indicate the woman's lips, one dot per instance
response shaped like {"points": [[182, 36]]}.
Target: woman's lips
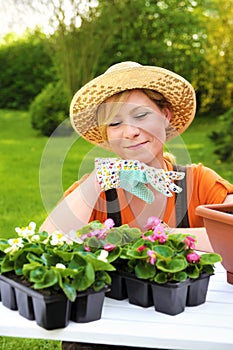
{"points": [[136, 146]]}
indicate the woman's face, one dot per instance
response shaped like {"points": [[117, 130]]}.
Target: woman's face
{"points": [[137, 128]]}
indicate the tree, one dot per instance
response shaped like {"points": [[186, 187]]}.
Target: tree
{"points": [[216, 81]]}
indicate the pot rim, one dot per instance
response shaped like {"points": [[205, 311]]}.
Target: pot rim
{"points": [[216, 212]]}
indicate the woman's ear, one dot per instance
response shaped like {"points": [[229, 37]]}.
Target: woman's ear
{"points": [[167, 113]]}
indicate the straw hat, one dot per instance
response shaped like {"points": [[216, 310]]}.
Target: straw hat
{"points": [[126, 76]]}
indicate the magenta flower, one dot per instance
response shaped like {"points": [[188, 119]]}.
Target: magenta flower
{"points": [[193, 258], [152, 222], [108, 247], [141, 248], [152, 256], [190, 242]]}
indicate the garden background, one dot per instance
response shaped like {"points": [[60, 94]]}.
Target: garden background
{"points": [[41, 69]]}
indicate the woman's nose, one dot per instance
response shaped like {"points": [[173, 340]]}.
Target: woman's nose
{"points": [[130, 131]]}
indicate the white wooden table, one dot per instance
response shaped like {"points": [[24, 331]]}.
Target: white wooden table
{"points": [[208, 326]]}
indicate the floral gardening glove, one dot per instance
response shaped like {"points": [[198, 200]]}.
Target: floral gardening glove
{"points": [[134, 181], [162, 180], [133, 176]]}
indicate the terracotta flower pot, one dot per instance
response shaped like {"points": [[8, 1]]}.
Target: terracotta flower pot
{"points": [[218, 221]]}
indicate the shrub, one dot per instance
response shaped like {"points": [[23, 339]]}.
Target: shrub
{"points": [[224, 136], [49, 109], [26, 68]]}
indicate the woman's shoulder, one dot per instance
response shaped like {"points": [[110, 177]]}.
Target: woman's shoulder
{"points": [[75, 185]]}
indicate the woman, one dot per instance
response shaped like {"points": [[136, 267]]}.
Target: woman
{"points": [[133, 110]]}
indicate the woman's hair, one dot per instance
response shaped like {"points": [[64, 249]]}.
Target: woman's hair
{"points": [[106, 111]]}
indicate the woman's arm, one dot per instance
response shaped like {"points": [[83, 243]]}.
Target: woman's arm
{"points": [[74, 210], [229, 199]]}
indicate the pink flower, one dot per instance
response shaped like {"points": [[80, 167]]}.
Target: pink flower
{"points": [[159, 234], [108, 247], [193, 258], [101, 234], [152, 256], [88, 249], [152, 222], [190, 242], [109, 223], [141, 248]]}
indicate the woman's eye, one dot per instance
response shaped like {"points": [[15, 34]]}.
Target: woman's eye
{"points": [[141, 115], [114, 123]]}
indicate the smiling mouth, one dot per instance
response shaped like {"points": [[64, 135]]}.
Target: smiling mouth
{"points": [[136, 146]]}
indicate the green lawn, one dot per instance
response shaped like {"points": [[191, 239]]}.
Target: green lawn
{"points": [[35, 170]]}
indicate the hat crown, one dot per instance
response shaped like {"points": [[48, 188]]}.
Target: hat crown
{"points": [[122, 65]]}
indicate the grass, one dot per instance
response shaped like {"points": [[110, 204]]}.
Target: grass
{"points": [[28, 344], [35, 170]]}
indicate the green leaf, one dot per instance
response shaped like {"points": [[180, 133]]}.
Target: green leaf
{"points": [[193, 271], [65, 256], [7, 265], [114, 237], [180, 276], [98, 285], [27, 268], [134, 254], [163, 251], [3, 244], [114, 254], [34, 258], [37, 274], [50, 259], [49, 279], [145, 270], [69, 291], [19, 263], [94, 242], [85, 278], [129, 234], [210, 258], [99, 264], [161, 278], [172, 265]]}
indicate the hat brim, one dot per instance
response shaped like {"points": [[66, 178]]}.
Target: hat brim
{"points": [[177, 90]]}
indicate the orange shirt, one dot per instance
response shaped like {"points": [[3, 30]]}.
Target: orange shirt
{"points": [[204, 186]]}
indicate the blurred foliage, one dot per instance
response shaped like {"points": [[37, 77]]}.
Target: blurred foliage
{"points": [[49, 109], [26, 67], [223, 137]]}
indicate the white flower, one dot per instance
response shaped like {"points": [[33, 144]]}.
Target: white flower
{"points": [[26, 231], [35, 238], [58, 238], [72, 237], [103, 256], [60, 266], [15, 244]]}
